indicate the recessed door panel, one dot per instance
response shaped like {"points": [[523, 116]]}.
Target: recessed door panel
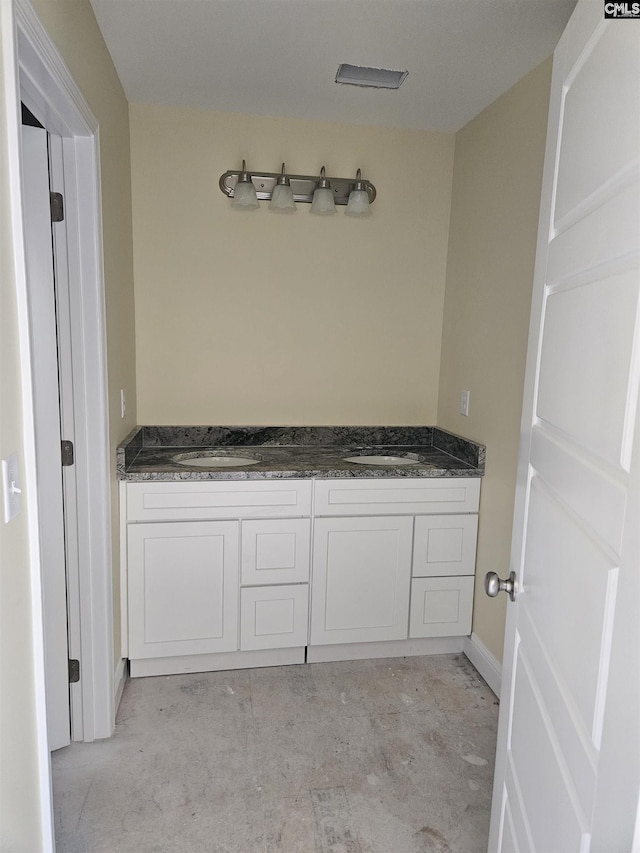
{"points": [[556, 822], [613, 141], [587, 380], [570, 610], [174, 568]]}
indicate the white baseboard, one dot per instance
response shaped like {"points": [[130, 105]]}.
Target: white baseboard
{"points": [[119, 681], [487, 665]]}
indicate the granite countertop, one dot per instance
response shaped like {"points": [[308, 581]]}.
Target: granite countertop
{"points": [[296, 452]]}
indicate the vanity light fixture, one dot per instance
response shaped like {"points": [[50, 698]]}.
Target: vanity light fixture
{"points": [[358, 204], [323, 203], [282, 195], [244, 197], [282, 191]]}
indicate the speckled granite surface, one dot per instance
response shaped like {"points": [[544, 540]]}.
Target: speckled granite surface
{"points": [[148, 452]]}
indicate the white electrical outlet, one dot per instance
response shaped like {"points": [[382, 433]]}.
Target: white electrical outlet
{"points": [[11, 487], [464, 403], [123, 403]]}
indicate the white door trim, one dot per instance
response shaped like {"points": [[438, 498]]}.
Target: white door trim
{"points": [[10, 78], [48, 89]]}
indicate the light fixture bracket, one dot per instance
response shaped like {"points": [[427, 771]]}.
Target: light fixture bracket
{"points": [[303, 186]]}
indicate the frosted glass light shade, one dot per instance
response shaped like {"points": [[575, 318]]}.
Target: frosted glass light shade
{"points": [[282, 199], [244, 197], [358, 204], [323, 202]]}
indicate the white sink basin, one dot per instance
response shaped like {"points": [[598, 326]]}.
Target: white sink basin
{"points": [[213, 459], [391, 461]]}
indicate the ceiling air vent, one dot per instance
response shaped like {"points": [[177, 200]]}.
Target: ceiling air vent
{"points": [[375, 78]]}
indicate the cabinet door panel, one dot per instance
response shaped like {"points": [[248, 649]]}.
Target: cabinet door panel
{"points": [[183, 588], [441, 607], [445, 545], [361, 578], [275, 551], [274, 617]]}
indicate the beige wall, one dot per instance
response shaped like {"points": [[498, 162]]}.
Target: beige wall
{"points": [[20, 817], [252, 318], [496, 193], [73, 29]]}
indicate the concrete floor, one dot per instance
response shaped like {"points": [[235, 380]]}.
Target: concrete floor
{"points": [[375, 756]]}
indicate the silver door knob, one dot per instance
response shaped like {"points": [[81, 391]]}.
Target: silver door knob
{"points": [[493, 585]]}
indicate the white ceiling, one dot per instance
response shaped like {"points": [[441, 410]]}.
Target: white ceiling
{"points": [[279, 57]]}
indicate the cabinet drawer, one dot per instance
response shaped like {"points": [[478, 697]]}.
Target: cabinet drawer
{"points": [[212, 499], [274, 617], [397, 496], [441, 607], [445, 545], [275, 551]]}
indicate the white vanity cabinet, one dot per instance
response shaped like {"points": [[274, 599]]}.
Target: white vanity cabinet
{"points": [[223, 574]]}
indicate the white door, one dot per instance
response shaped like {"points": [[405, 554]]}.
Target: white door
{"points": [[568, 761], [42, 316]]}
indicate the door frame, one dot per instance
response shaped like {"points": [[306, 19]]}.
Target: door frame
{"points": [[49, 91]]}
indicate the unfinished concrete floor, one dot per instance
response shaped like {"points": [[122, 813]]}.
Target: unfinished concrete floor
{"points": [[374, 756]]}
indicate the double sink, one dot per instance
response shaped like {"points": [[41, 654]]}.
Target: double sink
{"points": [[219, 459]]}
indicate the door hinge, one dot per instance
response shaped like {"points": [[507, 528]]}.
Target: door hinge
{"points": [[66, 448], [57, 207], [74, 671]]}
